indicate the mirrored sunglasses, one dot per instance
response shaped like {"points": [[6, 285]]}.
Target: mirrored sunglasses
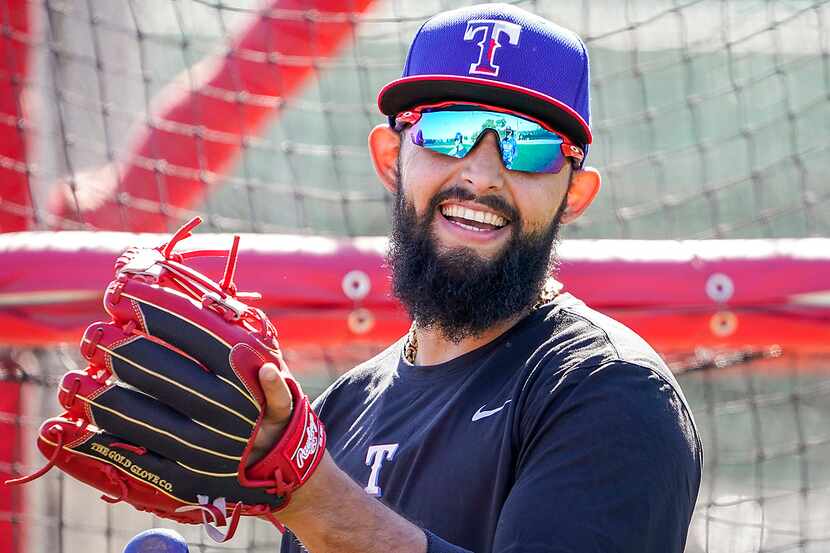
{"points": [[453, 129]]}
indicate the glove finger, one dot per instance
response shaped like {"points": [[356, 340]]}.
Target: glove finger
{"points": [[198, 331], [87, 452], [143, 420], [171, 377]]}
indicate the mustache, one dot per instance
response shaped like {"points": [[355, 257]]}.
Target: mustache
{"points": [[462, 194]]}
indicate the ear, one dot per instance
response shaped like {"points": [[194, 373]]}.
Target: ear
{"points": [[585, 184], [384, 145]]}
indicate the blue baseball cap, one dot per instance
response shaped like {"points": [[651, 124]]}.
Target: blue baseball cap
{"points": [[499, 55]]}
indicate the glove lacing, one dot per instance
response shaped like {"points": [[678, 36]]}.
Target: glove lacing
{"points": [[222, 298], [57, 431]]}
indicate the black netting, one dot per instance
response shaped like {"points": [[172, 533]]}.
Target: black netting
{"points": [[762, 417], [710, 117]]}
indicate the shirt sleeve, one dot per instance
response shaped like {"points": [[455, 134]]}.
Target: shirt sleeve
{"points": [[609, 461], [438, 545]]}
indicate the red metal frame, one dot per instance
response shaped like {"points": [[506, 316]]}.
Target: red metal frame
{"points": [[677, 295]]}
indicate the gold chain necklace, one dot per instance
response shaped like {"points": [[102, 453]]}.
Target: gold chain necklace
{"points": [[549, 291]]}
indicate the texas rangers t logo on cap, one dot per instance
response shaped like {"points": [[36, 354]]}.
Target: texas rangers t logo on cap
{"points": [[491, 30]]}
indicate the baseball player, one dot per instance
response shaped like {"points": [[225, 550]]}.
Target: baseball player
{"points": [[509, 148], [511, 417], [458, 149]]}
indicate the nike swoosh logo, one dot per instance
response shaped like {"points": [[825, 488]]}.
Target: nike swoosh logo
{"points": [[484, 413]]}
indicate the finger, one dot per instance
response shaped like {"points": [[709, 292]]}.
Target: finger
{"points": [[277, 395], [199, 332], [171, 377], [87, 450], [140, 419]]}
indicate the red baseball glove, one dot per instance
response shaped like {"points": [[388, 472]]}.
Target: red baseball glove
{"points": [[165, 415]]}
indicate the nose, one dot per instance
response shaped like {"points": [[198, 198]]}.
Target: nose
{"points": [[483, 168]]}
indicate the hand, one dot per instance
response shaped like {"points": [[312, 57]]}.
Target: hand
{"points": [[321, 512], [277, 412]]}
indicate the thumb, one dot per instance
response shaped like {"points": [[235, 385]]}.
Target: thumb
{"points": [[278, 402]]}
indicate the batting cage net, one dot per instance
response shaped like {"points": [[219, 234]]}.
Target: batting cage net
{"points": [[120, 119]]}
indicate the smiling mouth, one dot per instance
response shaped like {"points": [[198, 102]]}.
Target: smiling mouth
{"points": [[473, 219]]}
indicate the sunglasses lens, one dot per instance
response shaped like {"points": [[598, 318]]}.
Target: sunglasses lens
{"points": [[525, 145]]}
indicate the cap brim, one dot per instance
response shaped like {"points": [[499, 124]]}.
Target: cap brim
{"points": [[409, 92]]}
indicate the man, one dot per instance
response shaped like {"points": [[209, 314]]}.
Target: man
{"points": [[508, 148], [457, 150], [511, 418]]}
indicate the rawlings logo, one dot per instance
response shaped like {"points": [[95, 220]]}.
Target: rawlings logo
{"points": [[491, 30], [311, 444]]}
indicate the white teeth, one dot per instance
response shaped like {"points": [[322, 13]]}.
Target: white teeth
{"points": [[468, 227], [473, 215]]}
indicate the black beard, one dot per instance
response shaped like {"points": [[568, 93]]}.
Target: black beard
{"points": [[457, 292]]}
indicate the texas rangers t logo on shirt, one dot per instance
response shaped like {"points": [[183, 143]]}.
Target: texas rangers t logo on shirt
{"points": [[491, 31], [375, 457]]}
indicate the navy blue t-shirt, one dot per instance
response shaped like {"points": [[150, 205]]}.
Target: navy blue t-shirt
{"points": [[566, 434]]}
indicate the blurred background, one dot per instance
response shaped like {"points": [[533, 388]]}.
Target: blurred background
{"points": [[711, 236]]}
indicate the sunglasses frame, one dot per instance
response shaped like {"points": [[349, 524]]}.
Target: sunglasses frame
{"points": [[568, 148]]}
